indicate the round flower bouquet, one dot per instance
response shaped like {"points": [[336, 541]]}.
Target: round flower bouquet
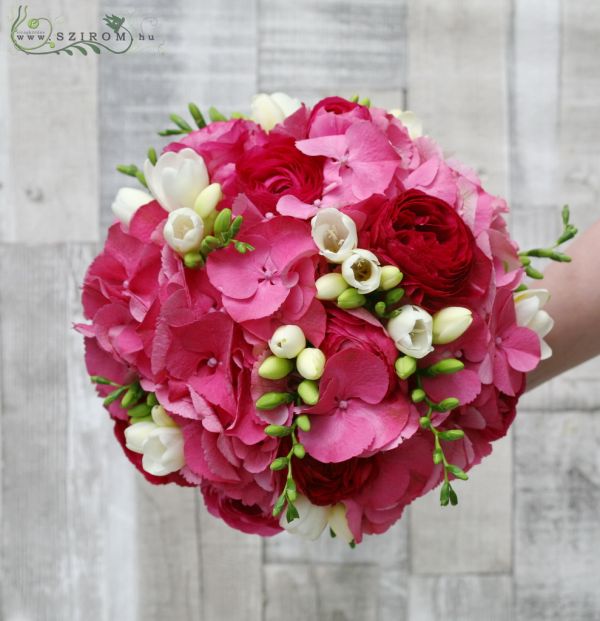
{"points": [[311, 315]]}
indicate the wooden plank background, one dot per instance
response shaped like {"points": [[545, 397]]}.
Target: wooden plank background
{"points": [[512, 87]]}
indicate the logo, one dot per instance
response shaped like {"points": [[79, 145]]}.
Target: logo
{"points": [[38, 36]]}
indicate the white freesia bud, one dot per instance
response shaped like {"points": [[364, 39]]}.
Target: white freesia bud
{"points": [[391, 277], [361, 270], [287, 341], [410, 120], [330, 286], [160, 441], [311, 363], [137, 434], [450, 323], [334, 234], [528, 305], [411, 331], [183, 230], [338, 522], [177, 178], [269, 110], [127, 202], [208, 200], [311, 522]]}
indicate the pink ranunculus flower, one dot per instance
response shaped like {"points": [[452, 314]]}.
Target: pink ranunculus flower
{"points": [[258, 283]]}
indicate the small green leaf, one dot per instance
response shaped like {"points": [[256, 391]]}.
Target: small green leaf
{"points": [[215, 115], [453, 497], [81, 49], [94, 47], [171, 132], [197, 115], [181, 123], [445, 494], [457, 472], [291, 513]]}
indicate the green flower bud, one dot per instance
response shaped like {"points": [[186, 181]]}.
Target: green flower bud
{"points": [[438, 456], [445, 367], [209, 243], [236, 225], [278, 431], [223, 222], [309, 392], [311, 363], [418, 395], [299, 451], [303, 422], [448, 404], [193, 260], [391, 277], [394, 296], [272, 400], [275, 368], [424, 422], [452, 434], [380, 309], [291, 494], [405, 366], [132, 396], [351, 298], [140, 410], [279, 464], [151, 399]]}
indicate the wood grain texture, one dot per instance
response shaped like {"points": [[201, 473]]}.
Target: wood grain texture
{"points": [[557, 532], [461, 98], [319, 48], [323, 592], [58, 531], [203, 52], [52, 102], [464, 598]]}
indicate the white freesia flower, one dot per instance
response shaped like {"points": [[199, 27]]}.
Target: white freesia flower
{"points": [[362, 271], [127, 202], [334, 234], [183, 230], [269, 110], [411, 331], [176, 179], [313, 520], [160, 441], [450, 323], [311, 363], [528, 305], [287, 341], [410, 120]]}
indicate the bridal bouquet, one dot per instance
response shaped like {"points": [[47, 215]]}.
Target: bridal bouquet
{"points": [[311, 315]]}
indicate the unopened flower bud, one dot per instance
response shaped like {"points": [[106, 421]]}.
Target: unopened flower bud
{"points": [[405, 366], [287, 341], [222, 221], [351, 298], [309, 393], [330, 286], [183, 230], [445, 367], [272, 400], [450, 323], [275, 368], [417, 395], [448, 404], [303, 422], [208, 199], [299, 451], [391, 277], [311, 363]]}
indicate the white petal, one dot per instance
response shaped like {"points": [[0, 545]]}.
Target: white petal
{"points": [[542, 323]]}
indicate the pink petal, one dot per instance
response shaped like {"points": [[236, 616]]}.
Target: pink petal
{"points": [[290, 205], [522, 347]]}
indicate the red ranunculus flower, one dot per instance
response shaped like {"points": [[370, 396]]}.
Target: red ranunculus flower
{"points": [[328, 484], [428, 241], [276, 169]]}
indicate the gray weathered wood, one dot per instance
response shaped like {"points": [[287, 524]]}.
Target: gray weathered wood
{"points": [[324, 592], [464, 598], [52, 102], [557, 532], [318, 48], [461, 97]]}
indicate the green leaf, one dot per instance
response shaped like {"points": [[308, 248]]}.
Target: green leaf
{"points": [[114, 395], [445, 494], [94, 47], [292, 512], [181, 123], [453, 497], [69, 52], [215, 115], [197, 115], [171, 132], [81, 49], [332, 533]]}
